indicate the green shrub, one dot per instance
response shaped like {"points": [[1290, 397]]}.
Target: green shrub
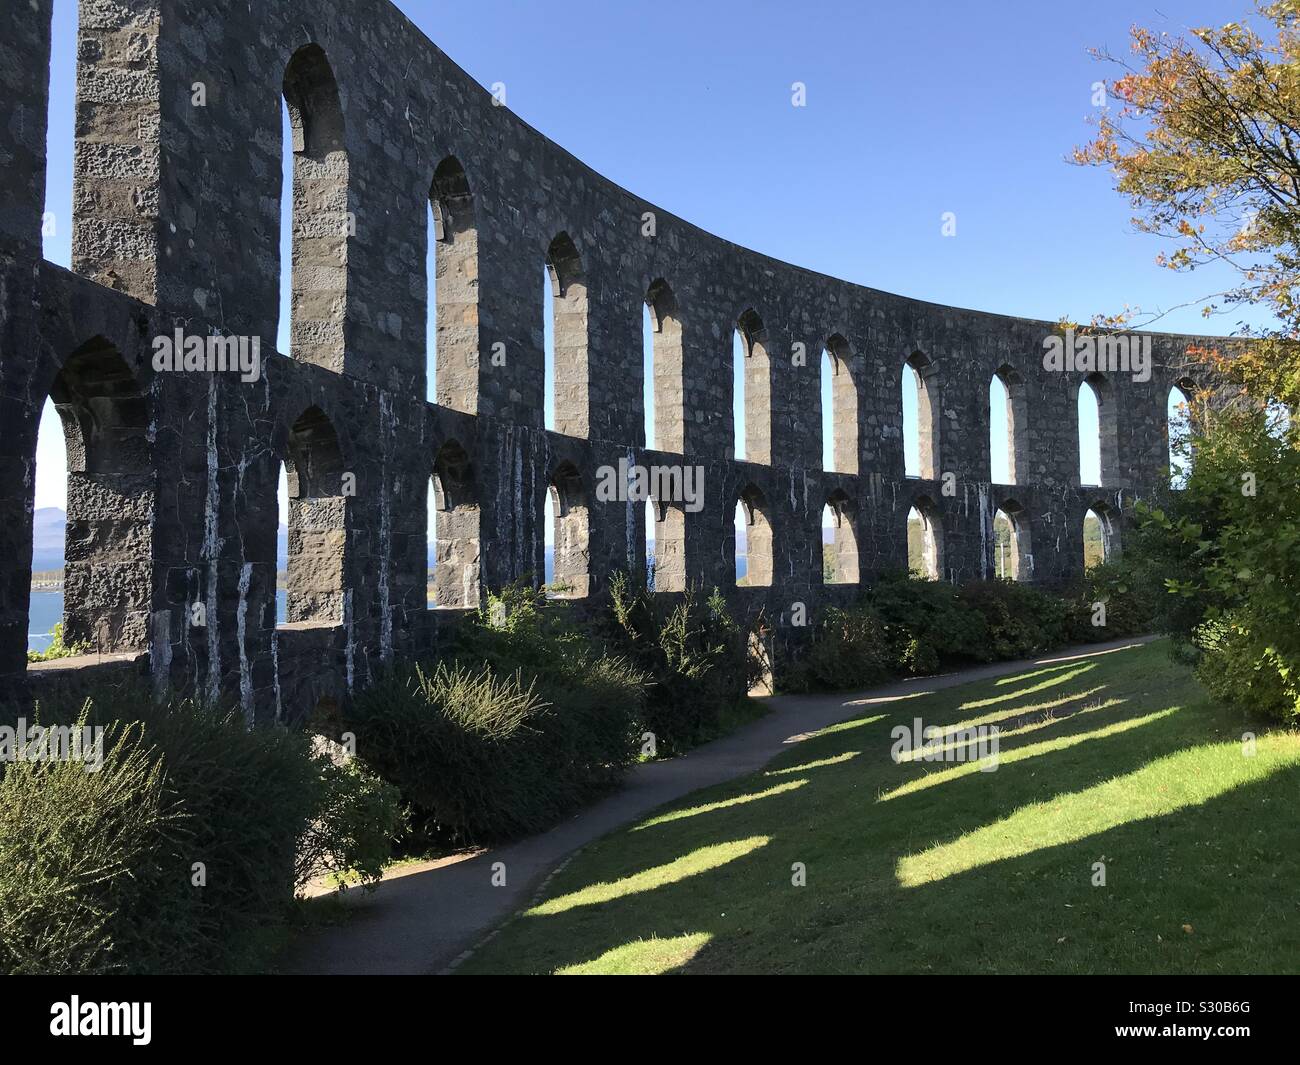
{"points": [[699, 659], [357, 817], [905, 625], [57, 649], [1237, 666], [247, 796], [1130, 592], [523, 721], [932, 614], [849, 649], [207, 888], [1020, 621], [72, 846], [1227, 549]]}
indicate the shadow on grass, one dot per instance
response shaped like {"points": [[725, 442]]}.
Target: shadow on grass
{"points": [[936, 867]]}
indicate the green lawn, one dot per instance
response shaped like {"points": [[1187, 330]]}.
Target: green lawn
{"points": [[939, 867]]}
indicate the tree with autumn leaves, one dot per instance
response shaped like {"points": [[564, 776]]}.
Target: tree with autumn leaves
{"points": [[1203, 139]]}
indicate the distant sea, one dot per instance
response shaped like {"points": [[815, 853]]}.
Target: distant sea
{"points": [[47, 611]]}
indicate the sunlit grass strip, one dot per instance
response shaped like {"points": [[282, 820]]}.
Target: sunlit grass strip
{"points": [[1020, 754], [1042, 685], [1020, 678], [1186, 778], [821, 763], [934, 750], [699, 861], [1020, 711], [645, 957], [845, 726], [708, 808]]}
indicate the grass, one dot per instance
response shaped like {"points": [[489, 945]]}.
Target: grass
{"points": [[1115, 764]]}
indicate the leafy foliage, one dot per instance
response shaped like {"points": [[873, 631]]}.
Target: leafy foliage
{"points": [[71, 842], [521, 722], [1205, 147], [57, 649], [908, 626], [1203, 144], [1229, 547], [181, 854], [698, 658]]}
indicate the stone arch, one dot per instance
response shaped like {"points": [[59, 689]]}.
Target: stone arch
{"points": [[925, 539], [456, 287], [840, 556], [757, 386], [1013, 559], [669, 530], [1016, 441], [571, 531], [666, 368], [1105, 519], [844, 405], [457, 544], [108, 554], [570, 370], [317, 522], [925, 378], [1107, 443], [322, 223], [1178, 430], [757, 523]]}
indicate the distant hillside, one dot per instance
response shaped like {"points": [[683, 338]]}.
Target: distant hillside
{"points": [[48, 525]]}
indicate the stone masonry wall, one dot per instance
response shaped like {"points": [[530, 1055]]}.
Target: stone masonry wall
{"points": [[172, 500]]}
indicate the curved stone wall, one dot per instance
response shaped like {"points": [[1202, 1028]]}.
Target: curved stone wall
{"points": [[177, 226]]}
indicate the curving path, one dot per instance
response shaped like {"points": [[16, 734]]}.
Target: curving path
{"points": [[423, 918]]}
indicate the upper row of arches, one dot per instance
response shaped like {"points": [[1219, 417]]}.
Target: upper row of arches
{"points": [[314, 300]]}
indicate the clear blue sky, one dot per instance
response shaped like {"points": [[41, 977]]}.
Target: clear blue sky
{"points": [[912, 110]]}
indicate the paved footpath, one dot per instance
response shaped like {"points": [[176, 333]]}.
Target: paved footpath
{"points": [[422, 918]]}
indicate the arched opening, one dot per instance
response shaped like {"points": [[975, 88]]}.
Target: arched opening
{"points": [[1100, 536], [1179, 418], [454, 530], [839, 541], [60, 140], [49, 530], [322, 222], [1008, 418], [920, 421], [565, 339], [1013, 560], [662, 355], [317, 521], [102, 536], [431, 307], [565, 515], [751, 390], [751, 543], [665, 546], [453, 293], [839, 408], [648, 384], [1098, 437], [650, 541], [924, 541]]}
